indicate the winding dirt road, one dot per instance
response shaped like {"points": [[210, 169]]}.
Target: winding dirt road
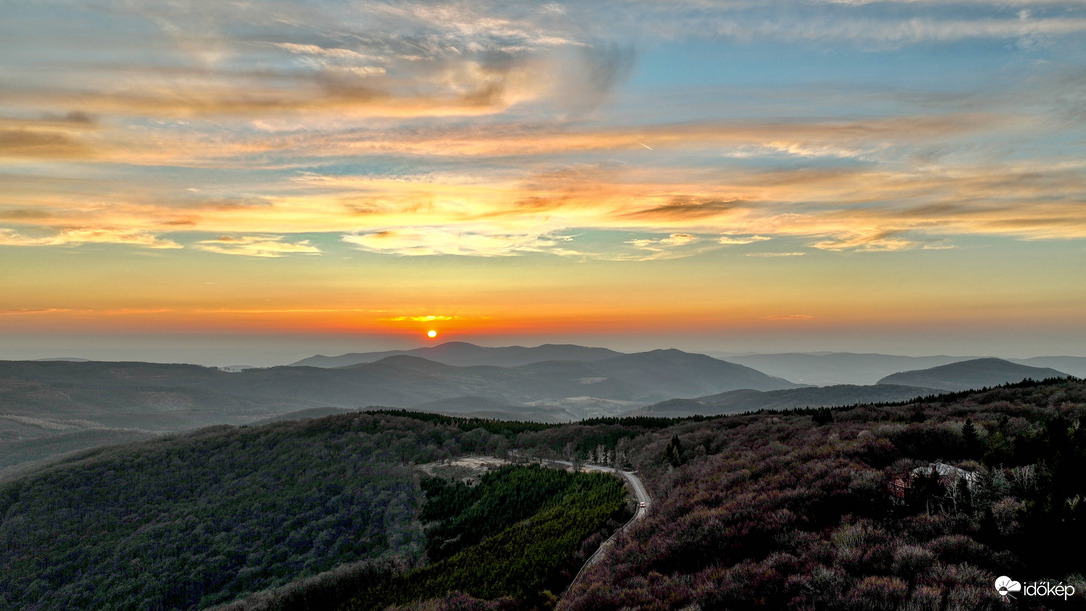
{"points": [[644, 503]]}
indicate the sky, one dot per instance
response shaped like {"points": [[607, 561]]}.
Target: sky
{"points": [[255, 182]]}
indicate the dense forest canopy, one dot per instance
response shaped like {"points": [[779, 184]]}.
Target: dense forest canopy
{"points": [[198, 519], [803, 508]]}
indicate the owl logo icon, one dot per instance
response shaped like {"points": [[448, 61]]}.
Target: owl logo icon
{"points": [[1005, 585]]}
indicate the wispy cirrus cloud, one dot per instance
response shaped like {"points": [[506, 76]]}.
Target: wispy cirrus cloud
{"points": [[658, 244], [896, 32], [257, 246], [731, 240], [847, 138], [667, 247], [477, 242], [869, 241], [884, 23], [75, 237], [371, 59]]}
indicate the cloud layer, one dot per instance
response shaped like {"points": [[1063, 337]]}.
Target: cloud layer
{"points": [[698, 137], [474, 128]]}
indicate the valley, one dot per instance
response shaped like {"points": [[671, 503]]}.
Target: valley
{"points": [[302, 494], [340, 509]]}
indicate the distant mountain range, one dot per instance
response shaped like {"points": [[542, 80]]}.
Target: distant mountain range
{"points": [[1074, 365], [75, 404], [49, 407], [903, 386], [462, 354], [967, 375]]}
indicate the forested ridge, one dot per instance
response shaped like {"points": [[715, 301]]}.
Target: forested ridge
{"points": [[840, 508], [807, 508]]}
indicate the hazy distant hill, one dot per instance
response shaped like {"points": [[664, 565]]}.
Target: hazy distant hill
{"points": [[1074, 365], [737, 401], [463, 354], [966, 375], [830, 368], [675, 373], [647, 377]]}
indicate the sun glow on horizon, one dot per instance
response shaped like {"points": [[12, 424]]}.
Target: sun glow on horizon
{"points": [[431, 334]]}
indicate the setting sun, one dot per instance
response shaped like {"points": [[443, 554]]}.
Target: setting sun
{"points": [[431, 334]]}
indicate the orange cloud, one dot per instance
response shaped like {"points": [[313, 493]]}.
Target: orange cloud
{"points": [[427, 318]]}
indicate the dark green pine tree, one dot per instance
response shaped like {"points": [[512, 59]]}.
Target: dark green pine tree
{"points": [[674, 452], [970, 439]]}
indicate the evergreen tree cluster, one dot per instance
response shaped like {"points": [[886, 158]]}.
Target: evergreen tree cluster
{"points": [[515, 535]]}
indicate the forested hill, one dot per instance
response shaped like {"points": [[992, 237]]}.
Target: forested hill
{"points": [[205, 518], [843, 509]]}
